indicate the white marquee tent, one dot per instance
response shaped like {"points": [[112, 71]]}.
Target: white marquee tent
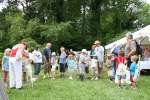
{"points": [[142, 36]]}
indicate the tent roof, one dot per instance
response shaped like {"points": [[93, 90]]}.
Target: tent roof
{"points": [[142, 35]]}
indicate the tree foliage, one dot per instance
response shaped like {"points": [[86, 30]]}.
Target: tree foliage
{"points": [[71, 23]]}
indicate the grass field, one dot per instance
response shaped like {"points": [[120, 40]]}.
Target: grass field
{"points": [[64, 89]]}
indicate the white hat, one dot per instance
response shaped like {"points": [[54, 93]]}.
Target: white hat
{"points": [[97, 42], [53, 54], [84, 51]]}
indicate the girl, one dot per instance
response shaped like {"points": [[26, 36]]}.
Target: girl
{"points": [[62, 61], [53, 64], [72, 64], [37, 60], [94, 65], [15, 63], [5, 64], [82, 63], [133, 71], [121, 68]]}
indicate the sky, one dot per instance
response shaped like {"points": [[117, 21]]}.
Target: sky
{"points": [[2, 5], [148, 1]]}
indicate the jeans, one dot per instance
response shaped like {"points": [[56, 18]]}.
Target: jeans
{"points": [[113, 69], [37, 68]]}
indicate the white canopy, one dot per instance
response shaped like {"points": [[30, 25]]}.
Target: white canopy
{"points": [[142, 36]]}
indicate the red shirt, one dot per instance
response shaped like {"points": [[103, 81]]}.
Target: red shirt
{"points": [[119, 60], [13, 52]]}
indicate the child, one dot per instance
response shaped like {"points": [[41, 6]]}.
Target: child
{"points": [[94, 64], [82, 63], [121, 67], [53, 64], [109, 66], [72, 64], [133, 73], [37, 60], [28, 67], [62, 61], [87, 61], [5, 64]]}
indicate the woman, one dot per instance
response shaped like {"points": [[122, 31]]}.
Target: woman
{"points": [[37, 60], [62, 61], [15, 62]]}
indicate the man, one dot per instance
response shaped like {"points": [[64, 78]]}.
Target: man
{"points": [[130, 49], [47, 56], [15, 62], [99, 51], [114, 51]]}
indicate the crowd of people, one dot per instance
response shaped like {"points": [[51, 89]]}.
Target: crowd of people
{"points": [[123, 62], [122, 65]]}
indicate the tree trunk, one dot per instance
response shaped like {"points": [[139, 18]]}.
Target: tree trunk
{"points": [[95, 27], [60, 10]]}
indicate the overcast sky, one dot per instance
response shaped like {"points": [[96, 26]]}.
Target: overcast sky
{"points": [[4, 3], [148, 1]]}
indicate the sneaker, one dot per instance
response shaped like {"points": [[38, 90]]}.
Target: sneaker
{"points": [[70, 78], [96, 78], [49, 76], [44, 77], [92, 79], [53, 78], [34, 79]]}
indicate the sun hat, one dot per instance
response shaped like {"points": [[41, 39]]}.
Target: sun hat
{"points": [[97, 42], [53, 54], [84, 51]]}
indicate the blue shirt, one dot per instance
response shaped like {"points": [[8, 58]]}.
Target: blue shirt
{"points": [[5, 63], [117, 50], [47, 53], [63, 58], [72, 64], [133, 67]]}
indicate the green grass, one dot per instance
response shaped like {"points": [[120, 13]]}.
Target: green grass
{"points": [[64, 89]]}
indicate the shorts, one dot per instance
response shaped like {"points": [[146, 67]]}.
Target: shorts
{"points": [[119, 77], [47, 67], [62, 68]]}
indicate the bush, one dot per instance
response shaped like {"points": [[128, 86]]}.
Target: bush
{"points": [[1, 56]]}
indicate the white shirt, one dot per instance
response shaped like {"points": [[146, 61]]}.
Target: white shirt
{"points": [[37, 56], [82, 59], [94, 63], [99, 51]]}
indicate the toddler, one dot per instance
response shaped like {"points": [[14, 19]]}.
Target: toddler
{"points": [[94, 65], [53, 64], [5, 64], [72, 64]]}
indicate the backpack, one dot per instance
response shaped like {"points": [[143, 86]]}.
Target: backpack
{"points": [[139, 50], [121, 69]]}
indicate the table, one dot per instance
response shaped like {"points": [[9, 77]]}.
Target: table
{"points": [[144, 65]]}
